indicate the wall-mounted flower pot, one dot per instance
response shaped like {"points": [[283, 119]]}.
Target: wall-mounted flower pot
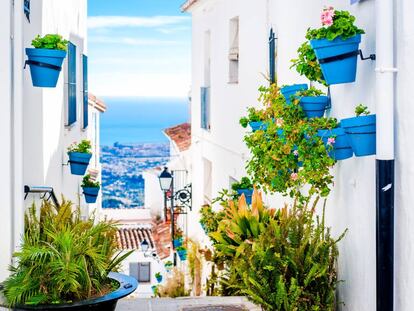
{"points": [[341, 148], [362, 134], [258, 125], [248, 193], [45, 66], [158, 278], [337, 58], [182, 253], [314, 106], [91, 194], [178, 242], [290, 90], [79, 162]]}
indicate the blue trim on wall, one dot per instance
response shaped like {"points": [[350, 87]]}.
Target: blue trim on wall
{"points": [[85, 91], [71, 83]]}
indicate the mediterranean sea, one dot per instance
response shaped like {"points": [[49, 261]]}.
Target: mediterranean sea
{"points": [[141, 120]]}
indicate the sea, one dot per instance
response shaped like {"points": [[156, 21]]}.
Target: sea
{"points": [[141, 120]]}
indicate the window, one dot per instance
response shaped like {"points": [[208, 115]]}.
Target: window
{"points": [[71, 83], [141, 271], [234, 51], [85, 90], [205, 108], [207, 58]]}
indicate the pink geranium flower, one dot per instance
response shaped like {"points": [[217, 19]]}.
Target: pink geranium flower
{"points": [[294, 176], [279, 122], [327, 16], [331, 140], [295, 153]]}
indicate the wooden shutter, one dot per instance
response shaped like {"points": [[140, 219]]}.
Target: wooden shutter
{"points": [[71, 83], [85, 91]]}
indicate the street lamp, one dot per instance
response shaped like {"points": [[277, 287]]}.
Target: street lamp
{"points": [[166, 180], [144, 246]]}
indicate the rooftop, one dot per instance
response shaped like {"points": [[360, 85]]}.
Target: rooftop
{"points": [[96, 102], [130, 238], [180, 135], [188, 4]]}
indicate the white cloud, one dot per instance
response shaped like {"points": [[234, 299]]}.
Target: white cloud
{"points": [[130, 41], [135, 84], [95, 22]]}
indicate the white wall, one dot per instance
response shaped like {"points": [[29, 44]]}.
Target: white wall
{"points": [[352, 202]]}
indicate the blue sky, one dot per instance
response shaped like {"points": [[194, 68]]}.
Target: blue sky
{"points": [[139, 48]]}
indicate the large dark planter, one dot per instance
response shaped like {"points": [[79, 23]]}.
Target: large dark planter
{"points": [[108, 302]]}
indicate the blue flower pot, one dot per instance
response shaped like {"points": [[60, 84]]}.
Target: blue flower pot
{"points": [[314, 106], [182, 254], [290, 90], [337, 58], [178, 242], [45, 66], [362, 134], [79, 162], [91, 194], [341, 149], [258, 125], [248, 193], [159, 278]]}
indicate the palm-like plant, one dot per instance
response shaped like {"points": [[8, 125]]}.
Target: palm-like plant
{"points": [[63, 258]]}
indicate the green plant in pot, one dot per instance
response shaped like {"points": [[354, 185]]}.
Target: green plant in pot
{"points": [[313, 102], [90, 189], [46, 58], [65, 261], [168, 265], [182, 252], [256, 118], [79, 157], [158, 277], [245, 188]]}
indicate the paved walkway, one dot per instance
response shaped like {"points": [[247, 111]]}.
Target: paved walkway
{"points": [[187, 304]]}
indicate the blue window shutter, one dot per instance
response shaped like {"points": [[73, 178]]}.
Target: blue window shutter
{"points": [[85, 91], [272, 56], [71, 83], [205, 108]]}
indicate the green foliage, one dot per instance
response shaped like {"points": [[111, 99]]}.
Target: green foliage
{"points": [[307, 64], [158, 274], [51, 42], [174, 286], [361, 110], [181, 248], [254, 115], [244, 183], [63, 258], [168, 263], [343, 26], [209, 219], [312, 91], [288, 263], [288, 154], [83, 147], [87, 182]]}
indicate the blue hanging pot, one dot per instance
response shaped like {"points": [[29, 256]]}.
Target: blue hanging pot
{"points": [[248, 194], [178, 242], [182, 253], [45, 66], [340, 149], [362, 134], [337, 58], [290, 90], [159, 278], [258, 125], [91, 194], [314, 106], [79, 162]]}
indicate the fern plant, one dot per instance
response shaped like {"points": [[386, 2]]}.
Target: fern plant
{"points": [[63, 258]]}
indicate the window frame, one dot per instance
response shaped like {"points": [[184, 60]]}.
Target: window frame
{"points": [[72, 85]]}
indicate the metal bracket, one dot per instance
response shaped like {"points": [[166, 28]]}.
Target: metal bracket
{"points": [[371, 56], [43, 191], [329, 105]]}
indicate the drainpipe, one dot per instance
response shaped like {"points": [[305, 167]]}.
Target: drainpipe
{"points": [[385, 154]]}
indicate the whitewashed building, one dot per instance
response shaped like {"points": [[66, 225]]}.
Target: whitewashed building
{"points": [[229, 62], [38, 124]]}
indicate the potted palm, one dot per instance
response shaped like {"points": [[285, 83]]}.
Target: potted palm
{"points": [[79, 157], [313, 102], [45, 59], [90, 189], [336, 45], [65, 262], [244, 187], [361, 131]]}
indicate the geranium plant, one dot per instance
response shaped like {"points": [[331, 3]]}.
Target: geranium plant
{"points": [[253, 115], [87, 182], [83, 147], [335, 24], [361, 110], [244, 183], [307, 64], [50, 42]]}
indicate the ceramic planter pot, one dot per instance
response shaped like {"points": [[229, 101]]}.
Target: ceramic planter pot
{"points": [[127, 285], [248, 193], [314, 106], [337, 58], [79, 162], [341, 149], [178, 242], [182, 253], [159, 278], [362, 134], [45, 66], [91, 194], [290, 90]]}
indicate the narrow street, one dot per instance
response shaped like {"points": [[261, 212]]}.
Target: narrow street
{"points": [[187, 304]]}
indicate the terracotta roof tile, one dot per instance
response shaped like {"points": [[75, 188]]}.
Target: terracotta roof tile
{"points": [[96, 102], [131, 238], [180, 135], [188, 4]]}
